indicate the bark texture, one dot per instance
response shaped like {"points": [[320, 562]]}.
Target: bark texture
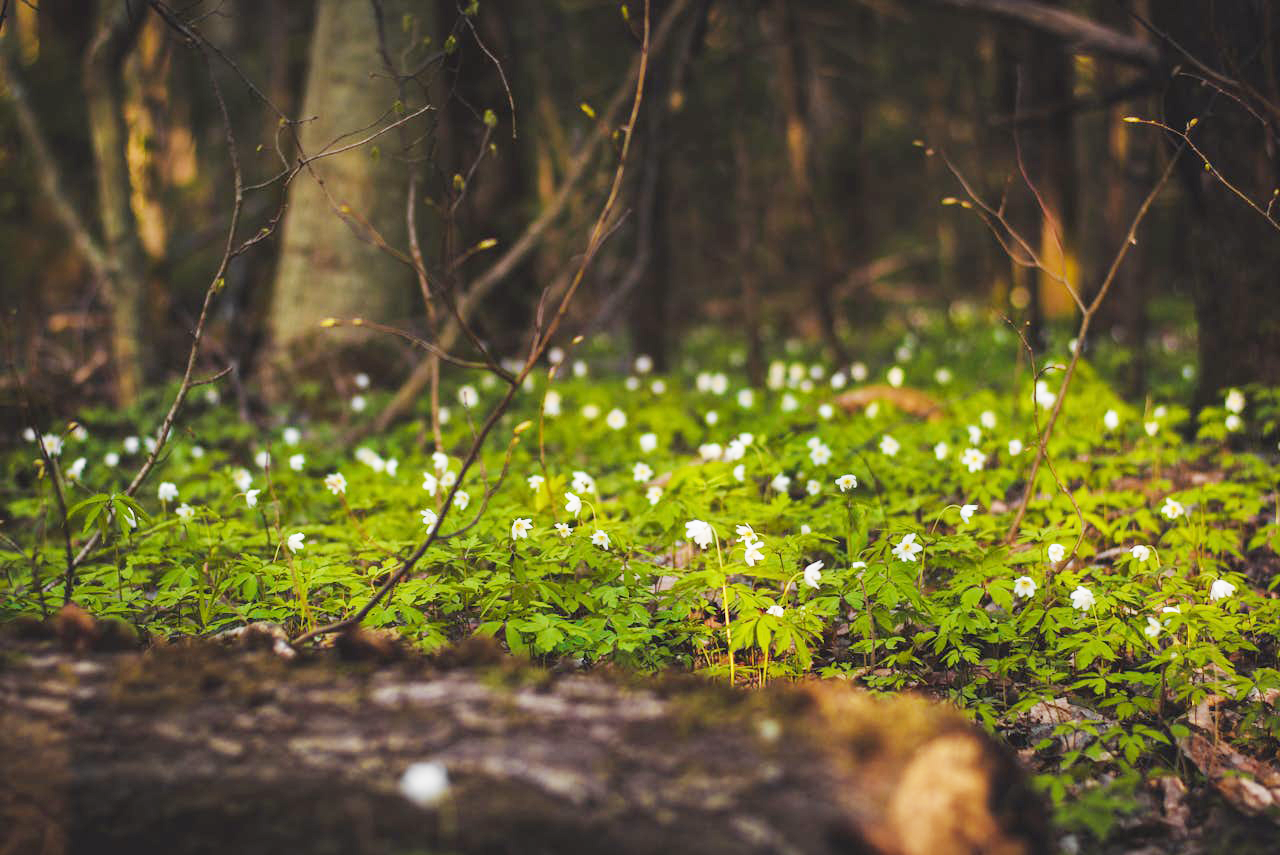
{"points": [[202, 748]]}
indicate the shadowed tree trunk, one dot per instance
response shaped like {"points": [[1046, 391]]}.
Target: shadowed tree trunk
{"points": [[202, 749], [330, 263]]}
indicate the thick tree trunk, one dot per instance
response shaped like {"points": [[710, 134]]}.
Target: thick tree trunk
{"points": [[116, 31], [204, 749], [330, 263]]}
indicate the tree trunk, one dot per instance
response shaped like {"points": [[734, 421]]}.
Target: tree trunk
{"points": [[198, 748], [330, 263], [116, 30]]}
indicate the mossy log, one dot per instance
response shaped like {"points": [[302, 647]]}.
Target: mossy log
{"points": [[200, 749]]}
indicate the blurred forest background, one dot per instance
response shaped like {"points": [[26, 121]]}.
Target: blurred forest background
{"points": [[788, 176]]}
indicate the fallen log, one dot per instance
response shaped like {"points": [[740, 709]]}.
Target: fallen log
{"points": [[197, 748]]}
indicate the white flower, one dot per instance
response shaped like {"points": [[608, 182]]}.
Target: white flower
{"points": [[582, 482], [653, 494], [370, 458], [1235, 401], [168, 491], [262, 459], [973, 459], [632, 384], [895, 376], [295, 541], [391, 466], [439, 461], [710, 451], [212, 396], [746, 398], [975, 434], [643, 363], [425, 784], [448, 479], [987, 420], [555, 355], [658, 387], [251, 498], [942, 376], [847, 482], [1082, 598], [1056, 552], [616, 419], [131, 445], [185, 511], [752, 552], [719, 384], [572, 503], [967, 512], [774, 611], [826, 411], [1015, 447], [111, 458], [197, 452], [563, 529], [130, 519], [80, 433], [1111, 420], [805, 528], [789, 404], [52, 444], [76, 469], [292, 436], [889, 445], [812, 487], [242, 479], [780, 483], [358, 403], [296, 462], [838, 380], [461, 499], [600, 539], [746, 533], [521, 527], [907, 548], [940, 451], [813, 574], [641, 472], [1140, 553], [1233, 423], [1221, 589], [712, 418], [430, 483], [735, 450], [551, 404], [535, 482], [1044, 397], [1172, 508], [429, 518], [858, 371], [1025, 587], [648, 442], [29, 434], [700, 532], [362, 380], [1152, 428], [590, 412], [335, 483], [468, 397], [1152, 628], [820, 454], [579, 368]]}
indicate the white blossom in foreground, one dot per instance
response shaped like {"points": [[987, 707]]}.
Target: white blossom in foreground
{"points": [[1152, 629], [295, 541], [358, 403], [297, 461], [1234, 423], [563, 529], [242, 479], [131, 445], [582, 482], [251, 498], [430, 483], [1221, 589], [641, 472], [572, 503], [1024, 587], [425, 784], [847, 482], [461, 499], [521, 527], [535, 482], [52, 444], [1140, 553], [648, 442], [896, 376], [780, 483], [551, 404], [889, 445], [1111, 420], [1235, 401], [168, 491], [813, 574], [940, 451], [1172, 508], [753, 552], [1015, 447], [1152, 428], [907, 548], [336, 483], [967, 512], [1082, 598], [616, 419], [987, 419], [1056, 552], [600, 539], [185, 512], [700, 532], [429, 518], [653, 494], [292, 436], [774, 611], [812, 487], [76, 470], [111, 459]]}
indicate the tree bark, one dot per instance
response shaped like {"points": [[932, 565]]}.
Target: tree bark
{"points": [[116, 31], [330, 263], [199, 748]]}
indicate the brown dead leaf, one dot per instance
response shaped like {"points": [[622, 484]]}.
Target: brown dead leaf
{"points": [[910, 401], [1251, 786]]}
